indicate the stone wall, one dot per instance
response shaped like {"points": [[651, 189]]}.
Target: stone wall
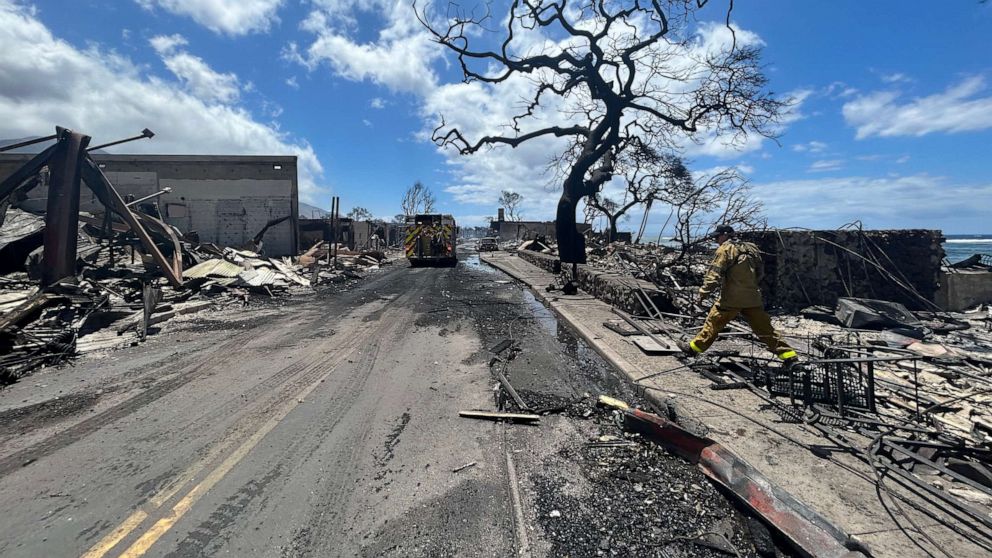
{"points": [[803, 268], [613, 288]]}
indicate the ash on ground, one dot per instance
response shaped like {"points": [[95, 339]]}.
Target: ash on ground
{"points": [[637, 500]]}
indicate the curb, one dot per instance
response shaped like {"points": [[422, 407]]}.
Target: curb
{"points": [[621, 364]]}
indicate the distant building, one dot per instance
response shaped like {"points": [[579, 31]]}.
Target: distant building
{"points": [[527, 230], [355, 235], [224, 199]]}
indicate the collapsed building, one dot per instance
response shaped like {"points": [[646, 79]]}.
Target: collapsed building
{"points": [[226, 200], [355, 235], [148, 238], [807, 268]]}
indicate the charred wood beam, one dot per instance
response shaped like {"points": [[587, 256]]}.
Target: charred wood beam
{"points": [[27, 309]]}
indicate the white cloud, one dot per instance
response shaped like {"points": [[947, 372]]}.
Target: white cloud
{"points": [[400, 58], [839, 90], [367, 122], [896, 78], [48, 81], [811, 147], [377, 103], [916, 201], [957, 109], [394, 51], [198, 77], [903, 159], [826, 165], [166, 44], [231, 17], [291, 82]]}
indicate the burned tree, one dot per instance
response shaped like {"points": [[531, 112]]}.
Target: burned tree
{"points": [[359, 213], [510, 201], [646, 175], [721, 198], [603, 71], [418, 199]]}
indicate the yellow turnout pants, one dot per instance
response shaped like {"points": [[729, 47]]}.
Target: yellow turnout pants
{"points": [[757, 318]]}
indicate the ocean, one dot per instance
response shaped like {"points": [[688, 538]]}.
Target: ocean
{"points": [[957, 247], [960, 246]]}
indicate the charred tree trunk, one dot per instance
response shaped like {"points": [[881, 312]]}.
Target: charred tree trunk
{"points": [[571, 244], [613, 227]]}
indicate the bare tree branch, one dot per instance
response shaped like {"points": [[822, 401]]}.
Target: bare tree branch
{"points": [[619, 70]]}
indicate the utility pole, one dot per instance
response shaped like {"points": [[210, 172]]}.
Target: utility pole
{"points": [[335, 224]]}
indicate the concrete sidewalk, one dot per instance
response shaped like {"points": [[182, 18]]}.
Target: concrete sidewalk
{"points": [[842, 488]]}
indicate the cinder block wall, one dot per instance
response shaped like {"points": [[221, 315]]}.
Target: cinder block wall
{"points": [[804, 268], [613, 288]]}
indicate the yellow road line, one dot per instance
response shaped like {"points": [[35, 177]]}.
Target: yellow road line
{"points": [[108, 542], [116, 536], [163, 525]]}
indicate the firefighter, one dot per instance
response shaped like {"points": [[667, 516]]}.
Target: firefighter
{"points": [[737, 270]]}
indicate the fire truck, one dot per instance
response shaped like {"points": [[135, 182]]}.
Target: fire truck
{"points": [[431, 239]]}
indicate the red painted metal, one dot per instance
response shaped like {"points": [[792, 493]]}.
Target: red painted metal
{"points": [[806, 529]]}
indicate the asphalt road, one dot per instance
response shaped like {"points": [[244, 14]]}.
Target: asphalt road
{"points": [[328, 425]]}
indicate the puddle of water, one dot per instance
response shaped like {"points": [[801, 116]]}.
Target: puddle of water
{"points": [[472, 262]]}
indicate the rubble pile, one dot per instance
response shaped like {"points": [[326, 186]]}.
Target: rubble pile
{"points": [[329, 263], [898, 383], [115, 295], [907, 392], [118, 293]]}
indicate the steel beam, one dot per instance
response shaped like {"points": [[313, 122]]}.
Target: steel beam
{"points": [[62, 214], [110, 198]]}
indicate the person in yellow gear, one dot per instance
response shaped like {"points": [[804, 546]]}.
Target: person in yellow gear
{"points": [[736, 269]]}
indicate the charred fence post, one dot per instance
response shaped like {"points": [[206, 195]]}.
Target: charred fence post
{"points": [[62, 215]]}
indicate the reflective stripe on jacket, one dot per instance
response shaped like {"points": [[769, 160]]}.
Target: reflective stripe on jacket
{"points": [[736, 269]]}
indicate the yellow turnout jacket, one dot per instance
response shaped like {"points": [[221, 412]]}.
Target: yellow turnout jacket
{"points": [[736, 269]]}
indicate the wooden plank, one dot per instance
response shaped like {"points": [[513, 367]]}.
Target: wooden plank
{"points": [[495, 415], [513, 393], [32, 305]]}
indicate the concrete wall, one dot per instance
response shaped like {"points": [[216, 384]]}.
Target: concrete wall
{"points": [[964, 289], [804, 268], [526, 230], [226, 200]]}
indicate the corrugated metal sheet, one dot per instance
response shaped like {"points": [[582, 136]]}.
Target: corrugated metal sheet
{"points": [[213, 268], [18, 224], [259, 277]]}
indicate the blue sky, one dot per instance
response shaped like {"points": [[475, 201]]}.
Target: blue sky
{"points": [[894, 127]]}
